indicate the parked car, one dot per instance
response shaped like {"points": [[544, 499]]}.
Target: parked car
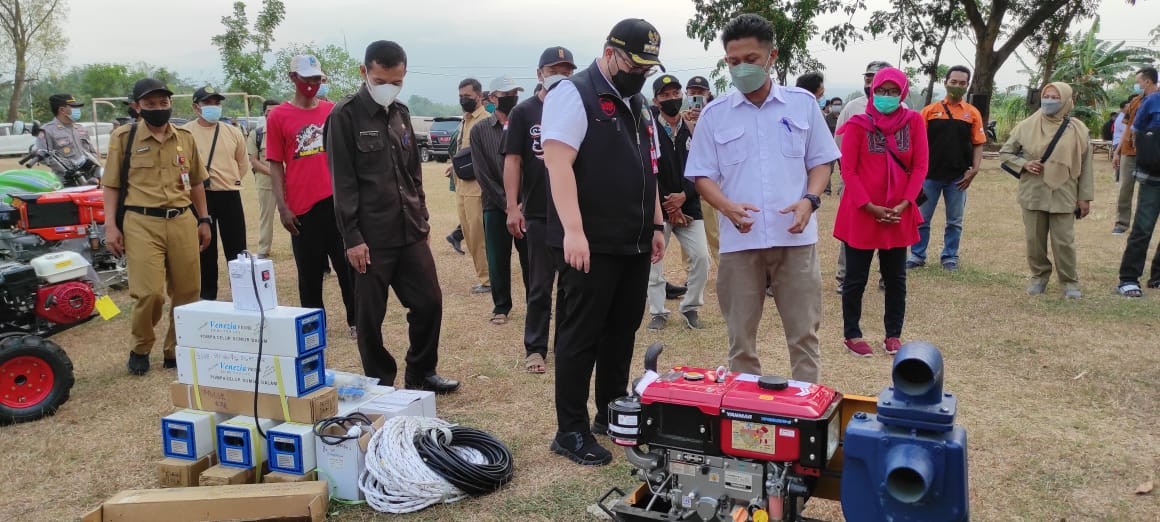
{"points": [[440, 137], [15, 139], [422, 127]]}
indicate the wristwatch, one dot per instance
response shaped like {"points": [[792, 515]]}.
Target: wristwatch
{"points": [[814, 200], [205, 221], [659, 228]]}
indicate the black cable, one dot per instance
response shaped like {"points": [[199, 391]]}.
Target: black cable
{"points": [[346, 422], [473, 479], [261, 339]]}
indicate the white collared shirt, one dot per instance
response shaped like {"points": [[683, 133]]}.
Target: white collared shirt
{"points": [[762, 156]]}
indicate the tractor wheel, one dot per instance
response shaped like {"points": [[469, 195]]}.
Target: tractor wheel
{"points": [[35, 378]]}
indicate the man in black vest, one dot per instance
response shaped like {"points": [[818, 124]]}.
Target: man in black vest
{"points": [[605, 226]]}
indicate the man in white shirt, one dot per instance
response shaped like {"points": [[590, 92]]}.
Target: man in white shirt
{"points": [[761, 156]]}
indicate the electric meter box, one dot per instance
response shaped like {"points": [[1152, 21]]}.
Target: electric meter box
{"points": [[239, 444], [244, 274], [291, 448], [217, 325], [189, 434]]}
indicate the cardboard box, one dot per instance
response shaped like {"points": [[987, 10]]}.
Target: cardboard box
{"points": [[340, 465], [293, 377], [220, 475], [217, 325], [244, 272], [402, 403], [239, 444], [308, 409], [189, 434], [277, 477], [290, 447], [304, 501], [351, 406], [181, 473]]}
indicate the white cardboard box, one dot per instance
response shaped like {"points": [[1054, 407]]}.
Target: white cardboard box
{"points": [[348, 407], [293, 377], [243, 273], [342, 464], [239, 445], [190, 434], [217, 325], [290, 447], [425, 399]]}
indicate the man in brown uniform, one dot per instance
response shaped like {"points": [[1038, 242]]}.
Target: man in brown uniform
{"points": [[165, 220]]}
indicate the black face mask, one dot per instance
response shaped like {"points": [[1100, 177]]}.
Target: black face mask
{"points": [[867, 91], [133, 113], [671, 107], [627, 84], [468, 104], [156, 117], [506, 103]]}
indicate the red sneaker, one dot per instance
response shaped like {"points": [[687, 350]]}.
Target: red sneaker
{"points": [[892, 345], [859, 348]]}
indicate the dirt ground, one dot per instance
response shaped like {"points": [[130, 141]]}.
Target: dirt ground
{"points": [[1058, 397]]}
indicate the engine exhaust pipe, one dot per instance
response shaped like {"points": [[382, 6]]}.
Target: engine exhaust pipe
{"points": [[646, 461]]}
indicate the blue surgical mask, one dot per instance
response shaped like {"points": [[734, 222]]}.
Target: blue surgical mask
{"points": [[75, 114], [822, 103], [748, 77], [490, 107], [211, 113], [887, 104], [1137, 89], [323, 90]]}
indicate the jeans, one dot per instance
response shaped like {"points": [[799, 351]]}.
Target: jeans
{"points": [[498, 242], [892, 265], [1144, 224], [956, 205]]}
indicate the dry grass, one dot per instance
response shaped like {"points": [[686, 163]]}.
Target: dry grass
{"points": [[1059, 398]]}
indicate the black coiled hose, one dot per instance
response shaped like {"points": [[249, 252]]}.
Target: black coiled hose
{"points": [[474, 479]]}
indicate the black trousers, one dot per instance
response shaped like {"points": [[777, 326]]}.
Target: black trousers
{"points": [[410, 272], [892, 265], [541, 271], [225, 206], [498, 242], [318, 238], [1143, 226], [598, 316]]}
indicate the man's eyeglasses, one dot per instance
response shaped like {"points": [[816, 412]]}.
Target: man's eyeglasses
{"points": [[646, 70]]}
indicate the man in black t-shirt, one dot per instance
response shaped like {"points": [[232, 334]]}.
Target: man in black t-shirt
{"points": [[525, 179]]}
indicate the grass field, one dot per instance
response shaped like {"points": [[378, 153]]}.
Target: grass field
{"points": [[1059, 397]]}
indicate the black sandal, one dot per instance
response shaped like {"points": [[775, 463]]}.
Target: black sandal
{"points": [[1129, 290]]}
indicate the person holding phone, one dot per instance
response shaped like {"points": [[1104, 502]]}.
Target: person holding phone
{"points": [[700, 94], [884, 164], [1055, 189]]}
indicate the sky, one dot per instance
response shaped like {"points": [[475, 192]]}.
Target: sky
{"points": [[448, 40]]}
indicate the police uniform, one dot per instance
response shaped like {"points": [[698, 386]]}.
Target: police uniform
{"points": [[160, 227], [71, 141]]}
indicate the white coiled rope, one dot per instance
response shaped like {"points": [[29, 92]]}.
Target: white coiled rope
{"points": [[396, 479]]}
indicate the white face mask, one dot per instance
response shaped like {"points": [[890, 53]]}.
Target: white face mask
{"points": [[553, 80], [384, 94]]}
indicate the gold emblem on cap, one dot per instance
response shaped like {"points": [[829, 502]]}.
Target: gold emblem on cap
{"points": [[654, 38], [667, 79], [560, 52], [209, 90]]}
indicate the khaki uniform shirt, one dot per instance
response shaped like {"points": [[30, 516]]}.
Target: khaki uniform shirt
{"points": [[1033, 192], [71, 141], [161, 173], [230, 159], [469, 188]]}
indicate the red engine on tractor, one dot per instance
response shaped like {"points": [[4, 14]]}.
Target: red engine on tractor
{"points": [[61, 215], [724, 445]]}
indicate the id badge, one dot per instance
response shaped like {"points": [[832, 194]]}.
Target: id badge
{"points": [[185, 181]]}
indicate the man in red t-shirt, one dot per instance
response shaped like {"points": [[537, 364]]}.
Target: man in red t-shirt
{"points": [[300, 179]]}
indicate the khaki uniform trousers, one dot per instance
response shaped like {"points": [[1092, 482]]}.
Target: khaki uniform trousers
{"points": [[163, 257], [470, 206], [267, 210], [1040, 227]]}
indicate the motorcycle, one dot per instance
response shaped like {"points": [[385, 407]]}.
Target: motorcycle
{"points": [[70, 174], [989, 130]]}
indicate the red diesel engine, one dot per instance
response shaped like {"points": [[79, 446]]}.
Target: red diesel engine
{"points": [[724, 445]]}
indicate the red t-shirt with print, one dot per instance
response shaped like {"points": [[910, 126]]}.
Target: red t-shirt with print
{"points": [[294, 137]]}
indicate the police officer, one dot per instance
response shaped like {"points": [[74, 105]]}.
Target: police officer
{"points": [[63, 135], [154, 171], [605, 224], [381, 211]]}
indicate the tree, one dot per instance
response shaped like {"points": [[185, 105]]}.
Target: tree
{"points": [[1046, 42], [793, 27], [421, 106], [1091, 65], [988, 23], [32, 37], [923, 27], [244, 50], [341, 68], [103, 80]]}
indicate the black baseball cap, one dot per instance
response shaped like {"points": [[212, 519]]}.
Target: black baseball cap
{"points": [[664, 81], [554, 56], [875, 66], [60, 100], [639, 39], [147, 86], [698, 81], [205, 93]]}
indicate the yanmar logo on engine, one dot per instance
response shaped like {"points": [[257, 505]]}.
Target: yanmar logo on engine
{"points": [[754, 417]]}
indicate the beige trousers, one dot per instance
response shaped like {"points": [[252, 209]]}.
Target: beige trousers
{"points": [[162, 256], [1041, 227], [470, 206]]}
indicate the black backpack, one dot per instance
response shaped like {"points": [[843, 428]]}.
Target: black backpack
{"points": [[1148, 151]]}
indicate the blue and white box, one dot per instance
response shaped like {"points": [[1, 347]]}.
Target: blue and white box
{"points": [[279, 375], [189, 434], [291, 448], [239, 444], [217, 325]]}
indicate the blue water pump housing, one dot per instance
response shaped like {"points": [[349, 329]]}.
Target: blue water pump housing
{"points": [[909, 461]]}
